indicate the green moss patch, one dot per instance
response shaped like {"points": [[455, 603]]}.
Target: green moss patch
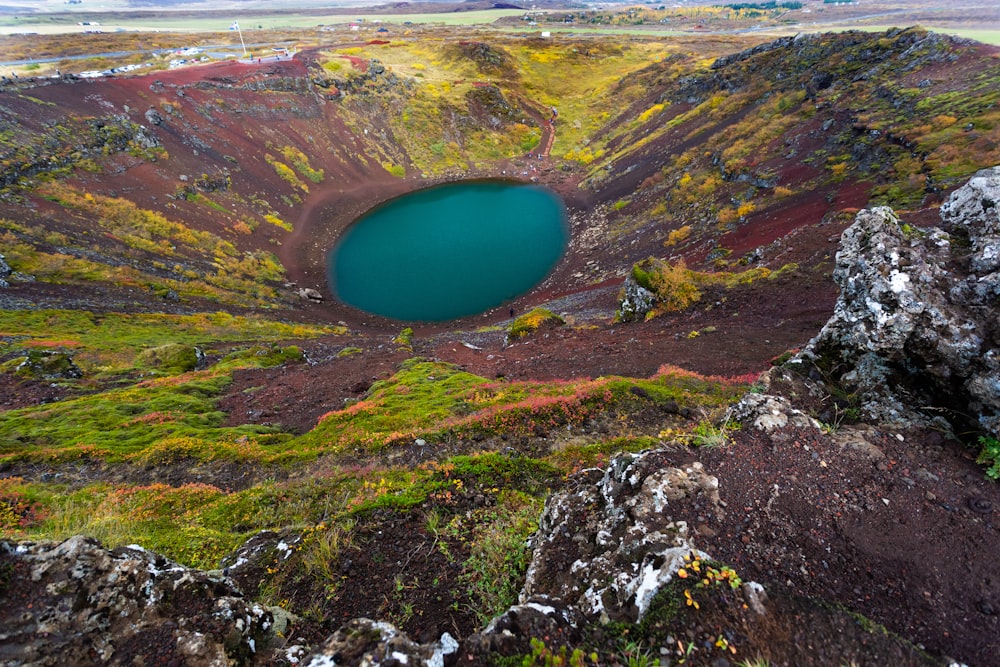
{"points": [[532, 321]]}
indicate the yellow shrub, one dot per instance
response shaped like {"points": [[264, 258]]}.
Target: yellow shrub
{"points": [[241, 227], [839, 170], [544, 56], [301, 163], [728, 215], [533, 320], [675, 286], [942, 121], [286, 173], [277, 222], [678, 235], [650, 112], [709, 185]]}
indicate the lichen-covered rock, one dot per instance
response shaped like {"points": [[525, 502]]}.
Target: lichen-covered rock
{"points": [[310, 294], [621, 535], [5, 272], [47, 365], [655, 286], [153, 116], [248, 565], [767, 413], [510, 632], [76, 603], [915, 325], [974, 211], [365, 642], [635, 301], [170, 358]]}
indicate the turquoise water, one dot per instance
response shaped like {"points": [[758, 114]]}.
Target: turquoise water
{"points": [[449, 251]]}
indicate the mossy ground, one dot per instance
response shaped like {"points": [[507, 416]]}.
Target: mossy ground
{"points": [[471, 511]]}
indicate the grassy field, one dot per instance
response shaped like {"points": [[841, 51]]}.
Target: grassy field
{"points": [[258, 19], [62, 23], [985, 36]]}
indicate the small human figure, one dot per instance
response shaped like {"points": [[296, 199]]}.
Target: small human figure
{"points": [[512, 311]]}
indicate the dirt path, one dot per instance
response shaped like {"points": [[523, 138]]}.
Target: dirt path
{"points": [[548, 137], [547, 126]]}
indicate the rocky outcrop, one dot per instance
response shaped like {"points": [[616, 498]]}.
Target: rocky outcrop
{"points": [[47, 365], [635, 301], [5, 272], [76, 603], [620, 533], [366, 642], [914, 334], [171, 358], [63, 144], [768, 413], [973, 212], [608, 553], [310, 294], [489, 104], [489, 59], [153, 117]]}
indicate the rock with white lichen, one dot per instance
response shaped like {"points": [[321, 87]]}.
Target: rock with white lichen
{"points": [[366, 642], [5, 272], [623, 535], [914, 333], [77, 603]]}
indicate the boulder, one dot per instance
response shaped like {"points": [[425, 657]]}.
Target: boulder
{"points": [[635, 301], [153, 117], [915, 324], [170, 358], [310, 294], [767, 413], [47, 365], [973, 212], [366, 642], [621, 533], [5, 272], [77, 603]]}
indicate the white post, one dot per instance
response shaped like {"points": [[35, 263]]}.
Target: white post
{"points": [[240, 32]]}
